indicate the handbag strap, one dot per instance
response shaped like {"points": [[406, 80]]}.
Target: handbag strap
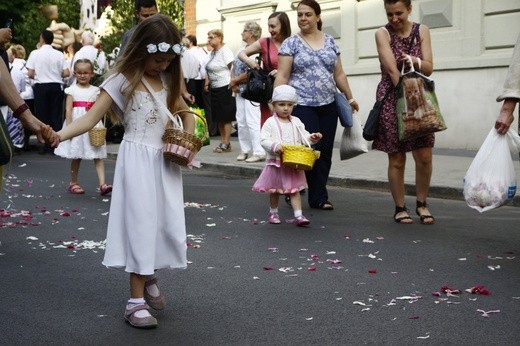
{"points": [[162, 107], [269, 54]]}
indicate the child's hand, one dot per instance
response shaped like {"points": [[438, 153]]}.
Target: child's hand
{"points": [[278, 149], [49, 136], [315, 137]]}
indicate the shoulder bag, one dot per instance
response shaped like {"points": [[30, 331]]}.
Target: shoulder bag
{"points": [[259, 84], [418, 112]]}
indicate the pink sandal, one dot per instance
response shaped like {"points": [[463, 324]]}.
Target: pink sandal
{"points": [[105, 189], [75, 189]]}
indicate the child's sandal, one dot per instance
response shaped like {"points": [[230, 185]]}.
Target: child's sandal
{"points": [[402, 219], [426, 219], [105, 189]]}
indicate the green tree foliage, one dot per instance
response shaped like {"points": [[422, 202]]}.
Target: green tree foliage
{"points": [[29, 22], [122, 18]]}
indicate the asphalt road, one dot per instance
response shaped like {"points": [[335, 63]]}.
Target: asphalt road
{"points": [[352, 277]]}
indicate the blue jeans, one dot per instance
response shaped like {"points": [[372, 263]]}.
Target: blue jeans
{"points": [[323, 119]]}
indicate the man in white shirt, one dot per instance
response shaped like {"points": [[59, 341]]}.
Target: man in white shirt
{"points": [[47, 66], [88, 51]]}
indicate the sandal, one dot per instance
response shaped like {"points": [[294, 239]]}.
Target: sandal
{"points": [[223, 148], [105, 189], [327, 205], [426, 219], [75, 189], [402, 219]]}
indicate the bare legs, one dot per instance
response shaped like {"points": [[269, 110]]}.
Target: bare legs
{"points": [[423, 173], [137, 285]]}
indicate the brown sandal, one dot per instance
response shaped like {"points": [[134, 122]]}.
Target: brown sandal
{"points": [[424, 217], [223, 148], [402, 218]]}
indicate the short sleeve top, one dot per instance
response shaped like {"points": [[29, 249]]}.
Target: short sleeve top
{"points": [[217, 67], [312, 72]]}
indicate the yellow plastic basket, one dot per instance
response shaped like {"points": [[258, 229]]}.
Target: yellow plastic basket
{"points": [[299, 156]]}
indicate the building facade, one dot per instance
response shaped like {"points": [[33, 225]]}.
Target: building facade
{"points": [[472, 43]]}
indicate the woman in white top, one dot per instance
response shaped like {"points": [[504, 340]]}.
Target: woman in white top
{"points": [[218, 77]]}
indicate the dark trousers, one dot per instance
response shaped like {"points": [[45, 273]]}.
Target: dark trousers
{"points": [[48, 105], [323, 119], [194, 87]]}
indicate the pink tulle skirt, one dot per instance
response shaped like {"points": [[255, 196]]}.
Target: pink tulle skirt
{"points": [[280, 180]]}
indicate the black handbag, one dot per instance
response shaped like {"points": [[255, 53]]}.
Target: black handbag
{"points": [[259, 84], [372, 124], [6, 146]]}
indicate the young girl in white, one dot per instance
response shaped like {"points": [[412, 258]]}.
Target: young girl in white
{"points": [[277, 179], [80, 98], [146, 226]]}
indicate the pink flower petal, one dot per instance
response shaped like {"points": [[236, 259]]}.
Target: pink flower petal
{"points": [[311, 269], [268, 268]]}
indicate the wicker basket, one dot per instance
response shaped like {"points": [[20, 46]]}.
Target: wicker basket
{"points": [[299, 156], [98, 135], [180, 147]]}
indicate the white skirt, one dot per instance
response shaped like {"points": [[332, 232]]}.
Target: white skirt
{"points": [[146, 225]]}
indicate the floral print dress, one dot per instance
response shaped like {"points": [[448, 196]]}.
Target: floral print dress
{"points": [[388, 138]]}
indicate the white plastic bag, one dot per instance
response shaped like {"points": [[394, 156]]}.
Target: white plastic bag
{"points": [[490, 181], [352, 141]]}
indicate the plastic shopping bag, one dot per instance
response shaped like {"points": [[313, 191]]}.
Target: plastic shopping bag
{"points": [[352, 141], [490, 181]]}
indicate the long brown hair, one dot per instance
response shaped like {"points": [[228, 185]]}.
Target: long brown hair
{"points": [[154, 30]]}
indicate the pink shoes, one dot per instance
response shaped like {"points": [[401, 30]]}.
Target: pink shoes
{"points": [[274, 219], [105, 189], [301, 221], [140, 322], [156, 303]]}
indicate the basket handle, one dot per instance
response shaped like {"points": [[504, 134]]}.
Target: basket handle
{"points": [[206, 133]]}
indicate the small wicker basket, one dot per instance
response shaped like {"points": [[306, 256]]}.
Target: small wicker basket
{"points": [[180, 147], [97, 135], [299, 156]]}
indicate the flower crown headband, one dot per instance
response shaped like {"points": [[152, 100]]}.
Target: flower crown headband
{"points": [[164, 47]]}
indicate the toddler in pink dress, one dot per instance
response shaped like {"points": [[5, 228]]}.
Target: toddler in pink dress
{"points": [[277, 179]]}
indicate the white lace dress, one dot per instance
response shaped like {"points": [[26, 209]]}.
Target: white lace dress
{"points": [[146, 225], [79, 147]]}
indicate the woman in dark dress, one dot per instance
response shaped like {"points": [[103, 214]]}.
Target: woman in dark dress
{"points": [[398, 38]]}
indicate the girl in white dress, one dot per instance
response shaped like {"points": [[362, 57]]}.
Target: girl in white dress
{"points": [[146, 226], [80, 98]]}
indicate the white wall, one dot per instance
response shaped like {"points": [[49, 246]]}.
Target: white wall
{"points": [[472, 43]]}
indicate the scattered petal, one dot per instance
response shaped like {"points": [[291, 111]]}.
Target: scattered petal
{"points": [[486, 313], [311, 269], [372, 271], [427, 336]]}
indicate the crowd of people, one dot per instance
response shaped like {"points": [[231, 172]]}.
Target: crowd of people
{"points": [[155, 71]]}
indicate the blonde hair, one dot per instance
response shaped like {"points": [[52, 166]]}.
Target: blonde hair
{"points": [[18, 51], [217, 32], [154, 30]]}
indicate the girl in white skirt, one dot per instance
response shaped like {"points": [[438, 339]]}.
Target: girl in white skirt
{"points": [[146, 225], [80, 98]]}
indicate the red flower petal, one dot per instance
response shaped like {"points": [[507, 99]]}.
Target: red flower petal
{"points": [[311, 269], [268, 268], [372, 271]]}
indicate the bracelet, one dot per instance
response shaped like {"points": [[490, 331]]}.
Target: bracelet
{"points": [[23, 107], [351, 101]]}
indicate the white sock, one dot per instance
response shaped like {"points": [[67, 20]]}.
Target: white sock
{"points": [[273, 210], [298, 213], [136, 301]]}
